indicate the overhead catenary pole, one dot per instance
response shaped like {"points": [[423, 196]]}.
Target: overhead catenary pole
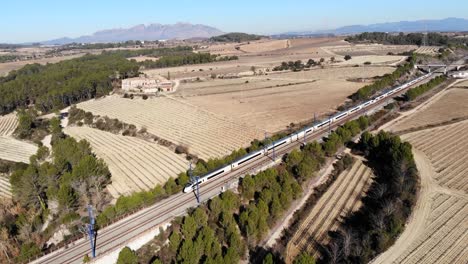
{"points": [[91, 231]]}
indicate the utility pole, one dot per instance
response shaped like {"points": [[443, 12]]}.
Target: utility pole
{"points": [[91, 231], [194, 180]]}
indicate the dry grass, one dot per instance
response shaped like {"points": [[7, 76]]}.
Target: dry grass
{"points": [[8, 124], [451, 105], [135, 164], [205, 134], [343, 197], [16, 150], [265, 46]]}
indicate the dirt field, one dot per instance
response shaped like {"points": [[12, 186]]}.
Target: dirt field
{"points": [[451, 104], [135, 164], [9, 66], [205, 134], [8, 124], [16, 150], [341, 198], [5, 188], [271, 108], [265, 46]]}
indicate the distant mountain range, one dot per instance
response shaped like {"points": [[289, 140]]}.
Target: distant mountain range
{"points": [[187, 31], [447, 24], [143, 32]]}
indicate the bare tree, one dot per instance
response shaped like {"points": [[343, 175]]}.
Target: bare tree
{"points": [[333, 252], [388, 207]]}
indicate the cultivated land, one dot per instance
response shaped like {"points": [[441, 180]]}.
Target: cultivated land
{"points": [[16, 150], [372, 49], [6, 67], [437, 230], [5, 188], [373, 59], [135, 164], [205, 134], [273, 101], [450, 105], [434, 50], [8, 124], [343, 197]]}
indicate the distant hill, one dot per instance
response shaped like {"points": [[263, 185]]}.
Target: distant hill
{"points": [[236, 37], [142, 32], [447, 24]]}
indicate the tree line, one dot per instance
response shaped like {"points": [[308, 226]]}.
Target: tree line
{"points": [[386, 207], [55, 86], [235, 37], [431, 39], [417, 91], [385, 82]]}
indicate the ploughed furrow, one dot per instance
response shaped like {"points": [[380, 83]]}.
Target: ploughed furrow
{"points": [[455, 177], [303, 234], [15, 150], [5, 188], [206, 134], [336, 207], [135, 164], [453, 215], [8, 124]]}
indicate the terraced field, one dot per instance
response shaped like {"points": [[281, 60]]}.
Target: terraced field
{"points": [[8, 124], [343, 196], [16, 150], [433, 50], [5, 187], [135, 164], [452, 104], [447, 149], [204, 133]]}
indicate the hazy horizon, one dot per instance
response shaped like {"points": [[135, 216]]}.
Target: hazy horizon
{"points": [[45, 20]]}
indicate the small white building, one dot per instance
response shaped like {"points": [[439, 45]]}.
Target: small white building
{"points": [[146, 85]]}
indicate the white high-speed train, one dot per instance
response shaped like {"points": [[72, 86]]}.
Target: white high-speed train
{"points": [[297, 136]]}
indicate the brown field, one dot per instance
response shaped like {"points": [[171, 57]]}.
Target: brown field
{"points": [[343, 197], [5, 187], [271, 108], [437, 231], [448, 157], [16, 150], [433, 50], [374, 59], [369, 49], [450, 104], [205, 134], [143, 58], [135, 164], [6, 67], [265, 46], [8, 124]]}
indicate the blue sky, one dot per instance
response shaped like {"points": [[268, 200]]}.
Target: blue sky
{"points": [[31, 20]]}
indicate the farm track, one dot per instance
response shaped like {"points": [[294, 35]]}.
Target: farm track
{"points": [[341, 198], [135, 164]]}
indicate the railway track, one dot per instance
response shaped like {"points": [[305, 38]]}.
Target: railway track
{"points": [[116, 235]]}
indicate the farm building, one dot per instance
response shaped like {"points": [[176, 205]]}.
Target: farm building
{"points": [[146, 85]]}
